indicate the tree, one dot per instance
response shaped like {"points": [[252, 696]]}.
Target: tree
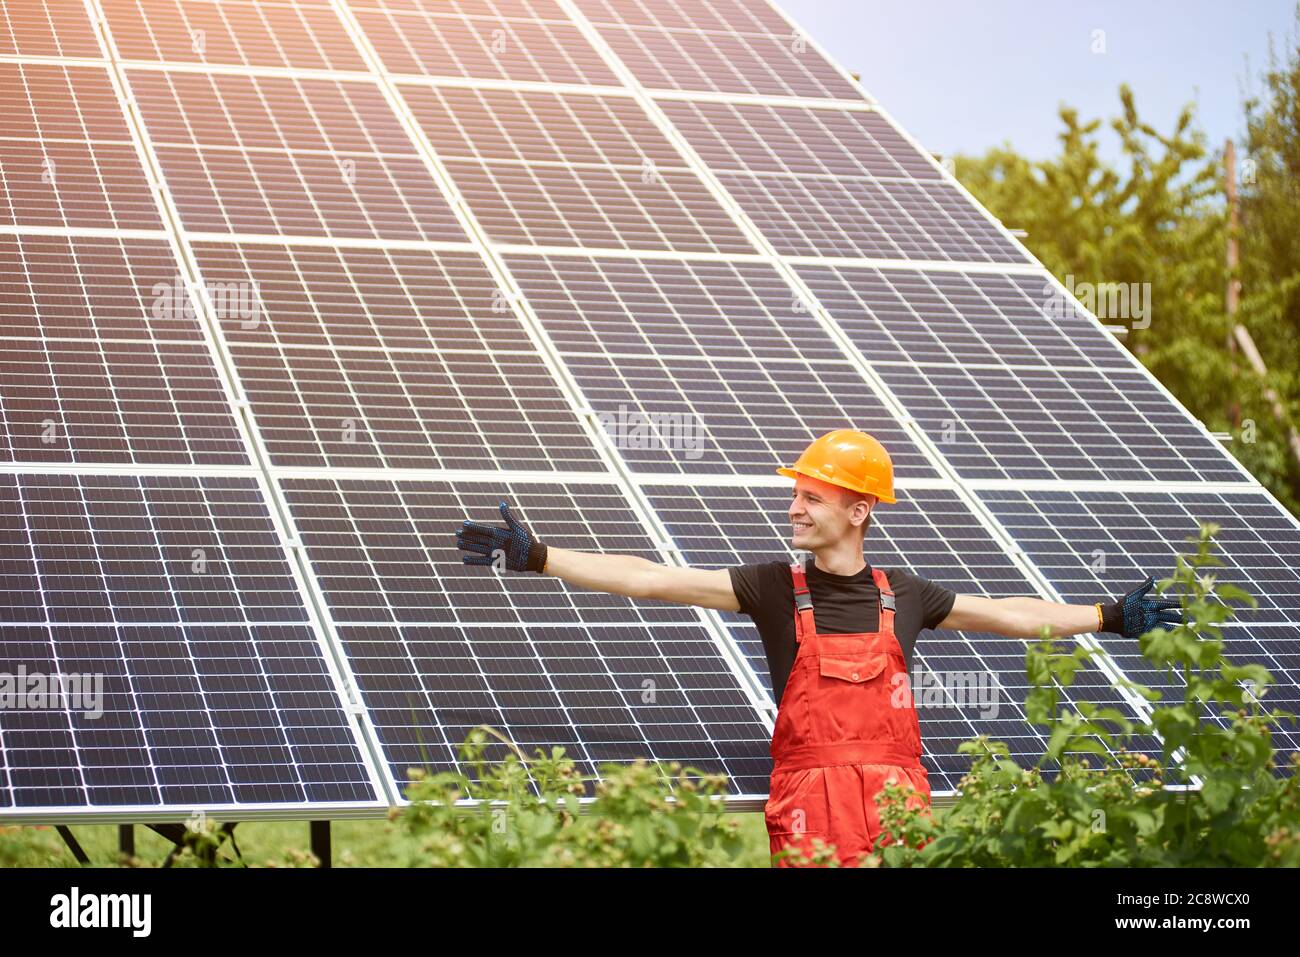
{"points": [[1270, 235]]}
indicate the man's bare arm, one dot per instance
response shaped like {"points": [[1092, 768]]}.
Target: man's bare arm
{"points": [[517, 548], [638, 577], [1020, 617]]}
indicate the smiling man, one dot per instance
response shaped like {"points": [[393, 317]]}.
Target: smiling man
{"points": [[846, 722]]}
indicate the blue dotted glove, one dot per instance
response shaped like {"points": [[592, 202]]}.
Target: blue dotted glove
{"points": [[1135, 614], [522, 552]]}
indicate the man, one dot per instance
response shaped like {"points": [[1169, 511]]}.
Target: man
{"points": [[846, 721]]}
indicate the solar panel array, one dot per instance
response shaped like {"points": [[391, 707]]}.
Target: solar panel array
{"points": [[293, 287]]}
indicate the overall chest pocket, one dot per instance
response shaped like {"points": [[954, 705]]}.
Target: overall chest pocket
{"points": [[854, 668]]}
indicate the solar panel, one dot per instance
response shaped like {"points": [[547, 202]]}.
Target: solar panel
{"points": [[824, 182], [547, 169], [1033, 423], [47, 28], [726, 16], [797, 140], [530, 41], [960, 317], [235, 32], [101, 364], [246, 154], [360, 297], [611, 260], [66, 156], [375, 359], [356, 409], [213, 689], [683, 49], [870, 219], [89, 287]]}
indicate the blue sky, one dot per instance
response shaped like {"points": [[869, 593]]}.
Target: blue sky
{"points": [[964, 76]]}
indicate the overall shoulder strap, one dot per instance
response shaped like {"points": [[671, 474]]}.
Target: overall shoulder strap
{"points": [[887, 604], [803, 609]]}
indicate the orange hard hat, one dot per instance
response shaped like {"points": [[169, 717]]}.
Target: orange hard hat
{"points": [[849, 459]]}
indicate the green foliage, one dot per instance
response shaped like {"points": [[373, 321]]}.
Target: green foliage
{"points": [[526, 813], [1160, 218], [207, 843], [1131, 810]]}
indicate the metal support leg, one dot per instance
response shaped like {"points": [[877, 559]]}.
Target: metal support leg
{"points": [[74, 845], [320, 842], [126, 840]]}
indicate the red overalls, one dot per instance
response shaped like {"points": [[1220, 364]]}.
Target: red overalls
{"points": [[845, 725]]}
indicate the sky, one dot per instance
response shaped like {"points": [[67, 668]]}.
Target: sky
{"points": [[964, 76]]}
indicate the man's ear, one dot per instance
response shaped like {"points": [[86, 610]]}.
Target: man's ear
{"points": [[869, 502]]}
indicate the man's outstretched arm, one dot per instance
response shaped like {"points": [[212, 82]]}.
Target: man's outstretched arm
{"points": [[640, 578], [1130, 615], [514, 548]]}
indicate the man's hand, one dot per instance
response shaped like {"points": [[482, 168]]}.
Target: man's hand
{"points": [[1135, 614], [522, 552]]}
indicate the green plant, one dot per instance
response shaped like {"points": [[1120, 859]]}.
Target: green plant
{"points": [[526, 813], [1123, 813]]}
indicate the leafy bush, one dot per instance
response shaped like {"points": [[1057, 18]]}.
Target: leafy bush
{"points": [[527, 813]]}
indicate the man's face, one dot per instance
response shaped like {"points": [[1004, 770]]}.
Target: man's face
{"points": [[822, 514]]}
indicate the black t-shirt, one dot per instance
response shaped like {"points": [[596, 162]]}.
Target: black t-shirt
{"points": [[842, 604]]}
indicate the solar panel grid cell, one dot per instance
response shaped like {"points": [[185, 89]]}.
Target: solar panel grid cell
{"points": [[966, 318], [1042, 423], [289, 156], [114, 402], [47, 28], [761, 138], [363, 298], [534, 127], [708, 61], [391, 359], [358, 408], [66, 156], [549, 169], [91, 288], [438, 40], [102, 361], [236, 32], [873, 219], [755, 17]]}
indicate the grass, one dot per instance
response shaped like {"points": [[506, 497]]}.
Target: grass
{"points": [[355, 844]]}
